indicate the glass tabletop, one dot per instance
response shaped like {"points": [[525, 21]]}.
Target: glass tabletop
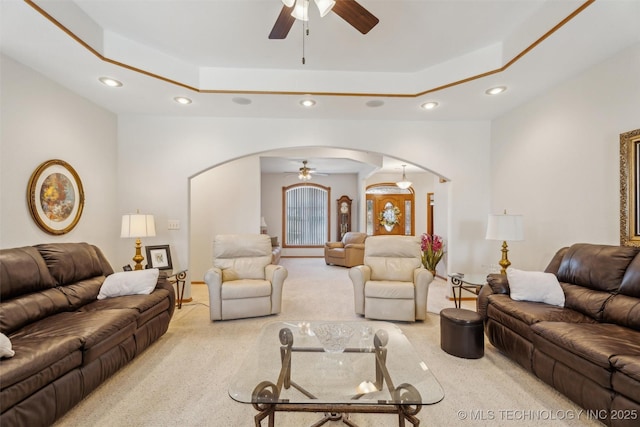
{"points": [[379, 366]]}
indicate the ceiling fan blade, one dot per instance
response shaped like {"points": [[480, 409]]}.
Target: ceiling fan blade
{"points": [[356, 15], [283, 24]]}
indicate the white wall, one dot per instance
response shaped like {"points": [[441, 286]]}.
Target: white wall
{"points": [[224, 200], [272, 184], [175, 149], [41, 121], [556, 160]]}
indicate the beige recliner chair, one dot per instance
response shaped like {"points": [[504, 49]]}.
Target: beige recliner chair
{"points": [[348, 252], [243, 282], [392, 284]]}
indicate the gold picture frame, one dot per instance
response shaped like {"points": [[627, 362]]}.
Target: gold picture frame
{"points": [[630, 188], [55, 197]]}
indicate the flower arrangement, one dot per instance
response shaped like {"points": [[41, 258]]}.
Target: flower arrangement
{"points": [[389, 216], [432, 248]]}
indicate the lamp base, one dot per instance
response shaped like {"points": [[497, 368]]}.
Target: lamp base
{"points": [[138, 258], [504, 262]]}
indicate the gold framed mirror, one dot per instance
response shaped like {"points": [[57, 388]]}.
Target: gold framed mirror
{"points": [[630, 188]]}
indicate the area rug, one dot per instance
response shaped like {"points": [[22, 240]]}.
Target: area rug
{"points": [[182, 380]]}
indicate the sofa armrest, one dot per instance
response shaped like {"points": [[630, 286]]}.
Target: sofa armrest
{"points": [[498, 283], [354, 246], [163, 283], [332, 245]]}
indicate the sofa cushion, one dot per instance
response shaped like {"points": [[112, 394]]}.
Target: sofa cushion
{"points": [[586, 348], [587, 301], [22, 270], [535, 286], [599, 267], [36, 354], [140, 282], [21, 311], [148, 306], [519, 315], [595, 342], [71, 262]]}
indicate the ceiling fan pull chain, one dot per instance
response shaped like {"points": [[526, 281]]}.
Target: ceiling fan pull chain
{"points": [[305, 30]]}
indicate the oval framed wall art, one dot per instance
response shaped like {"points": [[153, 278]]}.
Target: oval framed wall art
{"points": [[55, 197]]}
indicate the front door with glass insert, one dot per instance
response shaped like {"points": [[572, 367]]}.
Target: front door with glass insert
{"points": [[389, 210]]}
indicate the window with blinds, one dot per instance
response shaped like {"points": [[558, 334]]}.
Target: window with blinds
{"points": [[306, 208]]}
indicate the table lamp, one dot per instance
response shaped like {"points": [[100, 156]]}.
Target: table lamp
{"points": [[136, 226], [506, 228]]}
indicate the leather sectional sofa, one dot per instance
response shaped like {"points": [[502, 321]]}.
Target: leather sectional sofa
{"points": [[588, 349], [66, 341]]}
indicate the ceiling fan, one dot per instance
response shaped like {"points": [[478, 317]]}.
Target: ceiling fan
{"points": [[349, 10], [304, 173]]}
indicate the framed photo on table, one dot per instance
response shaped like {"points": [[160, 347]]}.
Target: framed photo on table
{"points": [[55, 197], [159, 257]]}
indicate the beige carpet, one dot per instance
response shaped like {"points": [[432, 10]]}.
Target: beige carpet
{"points": [[182, 379]]}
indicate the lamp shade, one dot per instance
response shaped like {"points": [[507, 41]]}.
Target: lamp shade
{"points": [[138, 225], [505, 227]]}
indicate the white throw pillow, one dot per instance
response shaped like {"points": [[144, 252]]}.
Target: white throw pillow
{"points": [[535, 286], [139, 282], [5, 347]]}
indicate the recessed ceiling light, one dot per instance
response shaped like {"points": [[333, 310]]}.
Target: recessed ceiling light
{"points": [[374, 103], [429, 105], [182, 100], [308, 103], [242, 101], [108, 81], [495, 90]]}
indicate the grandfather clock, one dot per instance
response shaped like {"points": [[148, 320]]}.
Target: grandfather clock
{"points": [[344, 216]]}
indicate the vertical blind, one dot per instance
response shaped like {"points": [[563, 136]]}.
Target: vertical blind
{"points": [[307, 216]]}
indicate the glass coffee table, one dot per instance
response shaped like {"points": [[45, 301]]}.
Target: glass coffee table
{"points": [[379, 371]]}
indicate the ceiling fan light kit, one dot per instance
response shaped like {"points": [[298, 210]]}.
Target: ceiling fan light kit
{"points": [[349, 10]]}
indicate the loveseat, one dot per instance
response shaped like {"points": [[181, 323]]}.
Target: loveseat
{"points": [[65, 340], [587, 347], [348, 252]]}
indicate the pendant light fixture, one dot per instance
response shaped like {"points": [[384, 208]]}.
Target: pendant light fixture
{"points": [[404, 183]]}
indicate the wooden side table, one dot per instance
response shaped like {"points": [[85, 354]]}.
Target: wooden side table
{"points": [[180, 280]]}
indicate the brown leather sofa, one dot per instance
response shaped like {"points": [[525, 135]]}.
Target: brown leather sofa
{"points": [[589, 350], [349, 252], [67, 342]]}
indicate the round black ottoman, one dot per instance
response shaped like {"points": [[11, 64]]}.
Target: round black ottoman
{"points": [[461, 333]]}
